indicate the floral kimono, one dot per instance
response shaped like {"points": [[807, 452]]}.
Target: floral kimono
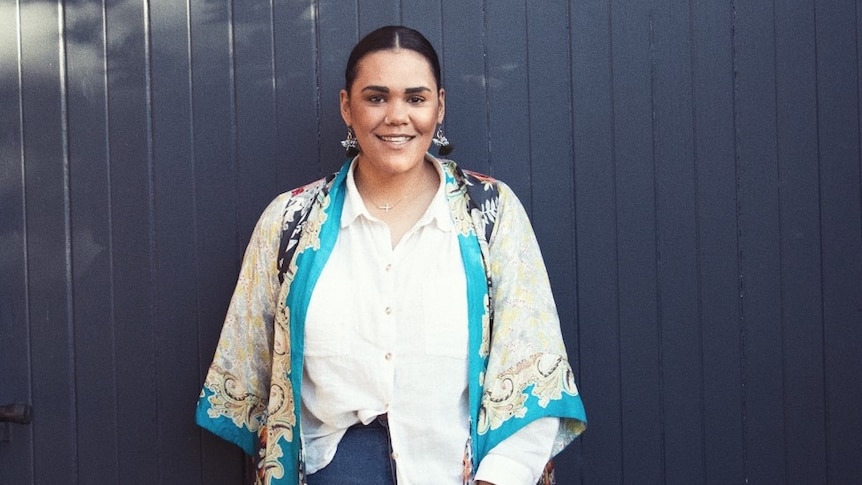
{"points": [[518, 369]]}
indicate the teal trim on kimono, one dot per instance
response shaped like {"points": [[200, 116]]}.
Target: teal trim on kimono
{"points": [[571, 407], [224, 427], [477, 290], [477, 293], [482, 194], [309, 266]]}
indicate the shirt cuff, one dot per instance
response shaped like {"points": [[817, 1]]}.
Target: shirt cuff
{"points": [[520, 458], [501, 470]]}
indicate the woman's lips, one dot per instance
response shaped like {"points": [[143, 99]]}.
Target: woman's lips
{"points": [[395, 138]]}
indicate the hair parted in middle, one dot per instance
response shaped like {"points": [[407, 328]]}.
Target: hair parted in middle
{"points": [[388, 38]]}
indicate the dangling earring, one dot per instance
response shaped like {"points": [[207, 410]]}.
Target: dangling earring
{"points": [[350, 144], [442, 142]]}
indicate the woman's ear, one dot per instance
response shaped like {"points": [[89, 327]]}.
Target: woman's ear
{"points": [[344, 101]]}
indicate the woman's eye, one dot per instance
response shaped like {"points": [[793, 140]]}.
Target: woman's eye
{"points": [[416, 99], [376, 99]]}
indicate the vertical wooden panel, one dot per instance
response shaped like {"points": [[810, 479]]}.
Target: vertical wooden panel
{"points": [[802, 321], [596, 241], [634, 196], [175, 235], [372, 14], [132, 258], [48, 266], [463, 63], [759, 263], [681, 341], [255, 110], [219, 249], [839, 120], [426, 17], [96, 414], [717, 240], [508, 97], [337, 32], [296, 73], [550, 134], [16, 455]]}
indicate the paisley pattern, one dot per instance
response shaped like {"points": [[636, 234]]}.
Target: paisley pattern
{"points": [[518, 361], [230, 398], [547, 375]]}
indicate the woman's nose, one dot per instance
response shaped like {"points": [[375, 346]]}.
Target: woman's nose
{"points": [[397, 113]]}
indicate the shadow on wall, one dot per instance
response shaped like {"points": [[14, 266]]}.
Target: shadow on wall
{"points": [[82, 60]]}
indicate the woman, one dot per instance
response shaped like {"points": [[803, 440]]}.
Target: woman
{"points": [[393, 323]]}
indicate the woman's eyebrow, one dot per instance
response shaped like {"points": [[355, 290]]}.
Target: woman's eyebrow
{"points": [[381, 89], [384, 89], [420, 89]]}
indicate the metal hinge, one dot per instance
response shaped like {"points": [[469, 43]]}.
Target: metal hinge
{"points": [[18, 413]]}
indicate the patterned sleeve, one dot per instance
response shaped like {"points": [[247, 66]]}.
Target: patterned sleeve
{"points": [[529, 375], [233, 400]]}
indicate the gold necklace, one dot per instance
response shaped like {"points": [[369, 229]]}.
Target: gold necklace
{"points": [[387, 206]]}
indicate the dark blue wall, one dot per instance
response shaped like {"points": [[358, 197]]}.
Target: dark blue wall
{"points": [[692, 171]]}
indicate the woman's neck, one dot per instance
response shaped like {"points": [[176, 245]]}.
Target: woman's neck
{"points": [[400, 201], [389, 190]]}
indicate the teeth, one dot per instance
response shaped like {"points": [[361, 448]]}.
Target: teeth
{"points": [[395, 138]]}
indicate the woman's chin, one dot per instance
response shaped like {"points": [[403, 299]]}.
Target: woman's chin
{"points": [[393, 161]]}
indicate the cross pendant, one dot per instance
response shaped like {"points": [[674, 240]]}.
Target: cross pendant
{"points": [[386, 207]]}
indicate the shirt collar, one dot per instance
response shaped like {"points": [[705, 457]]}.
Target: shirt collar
{"points": [[437, 212]]}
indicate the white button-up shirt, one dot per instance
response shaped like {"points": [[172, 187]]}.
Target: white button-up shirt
{"points": [[386, 332]]}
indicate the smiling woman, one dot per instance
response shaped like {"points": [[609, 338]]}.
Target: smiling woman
{"points": [[394, 323], [393, 108]]}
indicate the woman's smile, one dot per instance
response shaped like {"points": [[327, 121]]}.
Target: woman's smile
{"points": [[395, 139]]}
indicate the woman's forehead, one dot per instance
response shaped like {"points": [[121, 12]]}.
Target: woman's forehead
{"points": [[394, 69]]}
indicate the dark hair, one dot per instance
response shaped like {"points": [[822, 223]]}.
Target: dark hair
{"points": [[387, 38]]}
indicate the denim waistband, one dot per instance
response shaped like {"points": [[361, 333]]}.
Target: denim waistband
{"points": [[381, 421]]}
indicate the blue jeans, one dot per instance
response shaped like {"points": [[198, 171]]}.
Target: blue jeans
{"points": [[363, 457]]}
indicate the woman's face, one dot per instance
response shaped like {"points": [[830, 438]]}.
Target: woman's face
{"points": [[393, 107]]}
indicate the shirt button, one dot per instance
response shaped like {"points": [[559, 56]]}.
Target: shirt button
{"points": [[388, 267], [394, 455], [388, 310], [388, 356]]}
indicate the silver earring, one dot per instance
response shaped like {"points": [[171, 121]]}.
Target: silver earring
{"points": [[442, 142], [351, 146]]}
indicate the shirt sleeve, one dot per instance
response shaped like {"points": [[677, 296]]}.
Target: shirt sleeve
{"points": [[520, 458]]}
